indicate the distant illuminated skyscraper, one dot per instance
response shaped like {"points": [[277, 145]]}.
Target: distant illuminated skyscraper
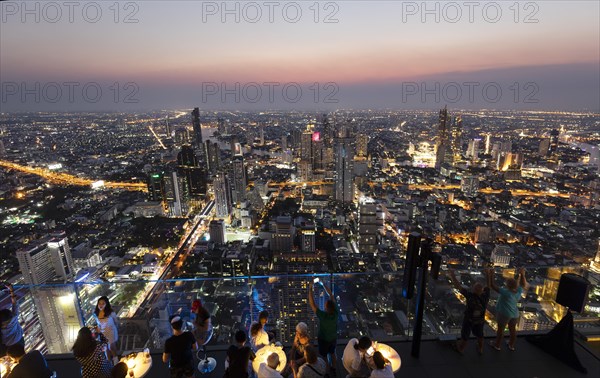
{"points": [[239, 179], [367, 228], [46, 259], [554, 134], [362, 141], [449, 141], [488, 144], [190, 171], [197, 126], [2, 149], [544, 147], [473, 149], [222, 196], [344, 170], [167, 127], [156, 187]]}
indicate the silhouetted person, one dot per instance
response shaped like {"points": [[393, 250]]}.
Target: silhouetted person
{"points": [[119, 371], [178, 350], [89, 352], [11, 333], [30, 365], [327, 336], [477, 300], [239, 357]]}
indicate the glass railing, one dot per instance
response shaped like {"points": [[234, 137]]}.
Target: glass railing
{"points": [[370, 304]]}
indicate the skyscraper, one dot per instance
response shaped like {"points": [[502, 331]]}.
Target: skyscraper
{"points": [[222, 196], [554, 134], [473, 149], [449, 139], [367, 228], [239, 178], [213, 157], [191, 173], [344, 170], [198, 143], [46, 259], [156, 187], [216, 230]]}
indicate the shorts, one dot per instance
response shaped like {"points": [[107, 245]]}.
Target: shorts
{"points": [[326, 347], [186, 370], [469, 326], [503, 320]]}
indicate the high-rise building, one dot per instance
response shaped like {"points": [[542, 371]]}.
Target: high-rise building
{"points": [[156, 187], [469, 185], [367, 228], [222, 126], [216, 230], [177, 204], [306, 150], [308, 240], [197, 127], [449, 141], [222, 196], [488, 144], [283, 239], [239, 179], [344, 170], [2, 149], [362, 140], [61, 317], [554, 135], [213, 157], [182, 136], [544, 147], [191, 173], [46, 259], [473, 149], [168, 128]]}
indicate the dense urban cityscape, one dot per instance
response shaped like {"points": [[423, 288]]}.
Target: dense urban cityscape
{"points": [[241, 209], [299, 189]]}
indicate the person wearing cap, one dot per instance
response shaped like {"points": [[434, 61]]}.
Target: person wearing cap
{"points": [[178, 350], [355, 358], [269, 369], [202, 324]]}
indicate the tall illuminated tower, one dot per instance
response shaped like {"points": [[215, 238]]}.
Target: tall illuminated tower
{"points": [[344, 170]]}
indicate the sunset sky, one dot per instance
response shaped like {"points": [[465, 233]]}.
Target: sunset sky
{"points": [[368, 53]]}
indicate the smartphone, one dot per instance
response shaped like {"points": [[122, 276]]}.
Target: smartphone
{"points": [[316, 280]]}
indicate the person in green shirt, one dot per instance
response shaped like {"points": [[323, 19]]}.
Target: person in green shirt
{"points": [[327, 336]]}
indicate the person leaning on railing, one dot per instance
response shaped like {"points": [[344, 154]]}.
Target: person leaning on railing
{"points": [[507, 312], [327, 337], [11, 333]]}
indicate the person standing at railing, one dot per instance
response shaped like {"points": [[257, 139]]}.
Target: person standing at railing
{"points": [[507, 312], [178, 350], [202, 323], [476, 300], [11, 333], [89, 352], [107, 322], [327, 336]]}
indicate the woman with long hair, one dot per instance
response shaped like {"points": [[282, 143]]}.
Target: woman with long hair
{"points": [[107, 322], [89, 352]]}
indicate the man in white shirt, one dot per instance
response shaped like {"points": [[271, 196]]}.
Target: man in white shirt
{"points": [[355, 358]]}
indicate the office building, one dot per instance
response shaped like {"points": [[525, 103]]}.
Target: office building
{"points": [[344, 170]]}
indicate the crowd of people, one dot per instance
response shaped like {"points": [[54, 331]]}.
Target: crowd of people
{"points": [[95, 347]]}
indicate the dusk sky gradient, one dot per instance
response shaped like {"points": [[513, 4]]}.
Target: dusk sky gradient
{"points": [[369, 53]]}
